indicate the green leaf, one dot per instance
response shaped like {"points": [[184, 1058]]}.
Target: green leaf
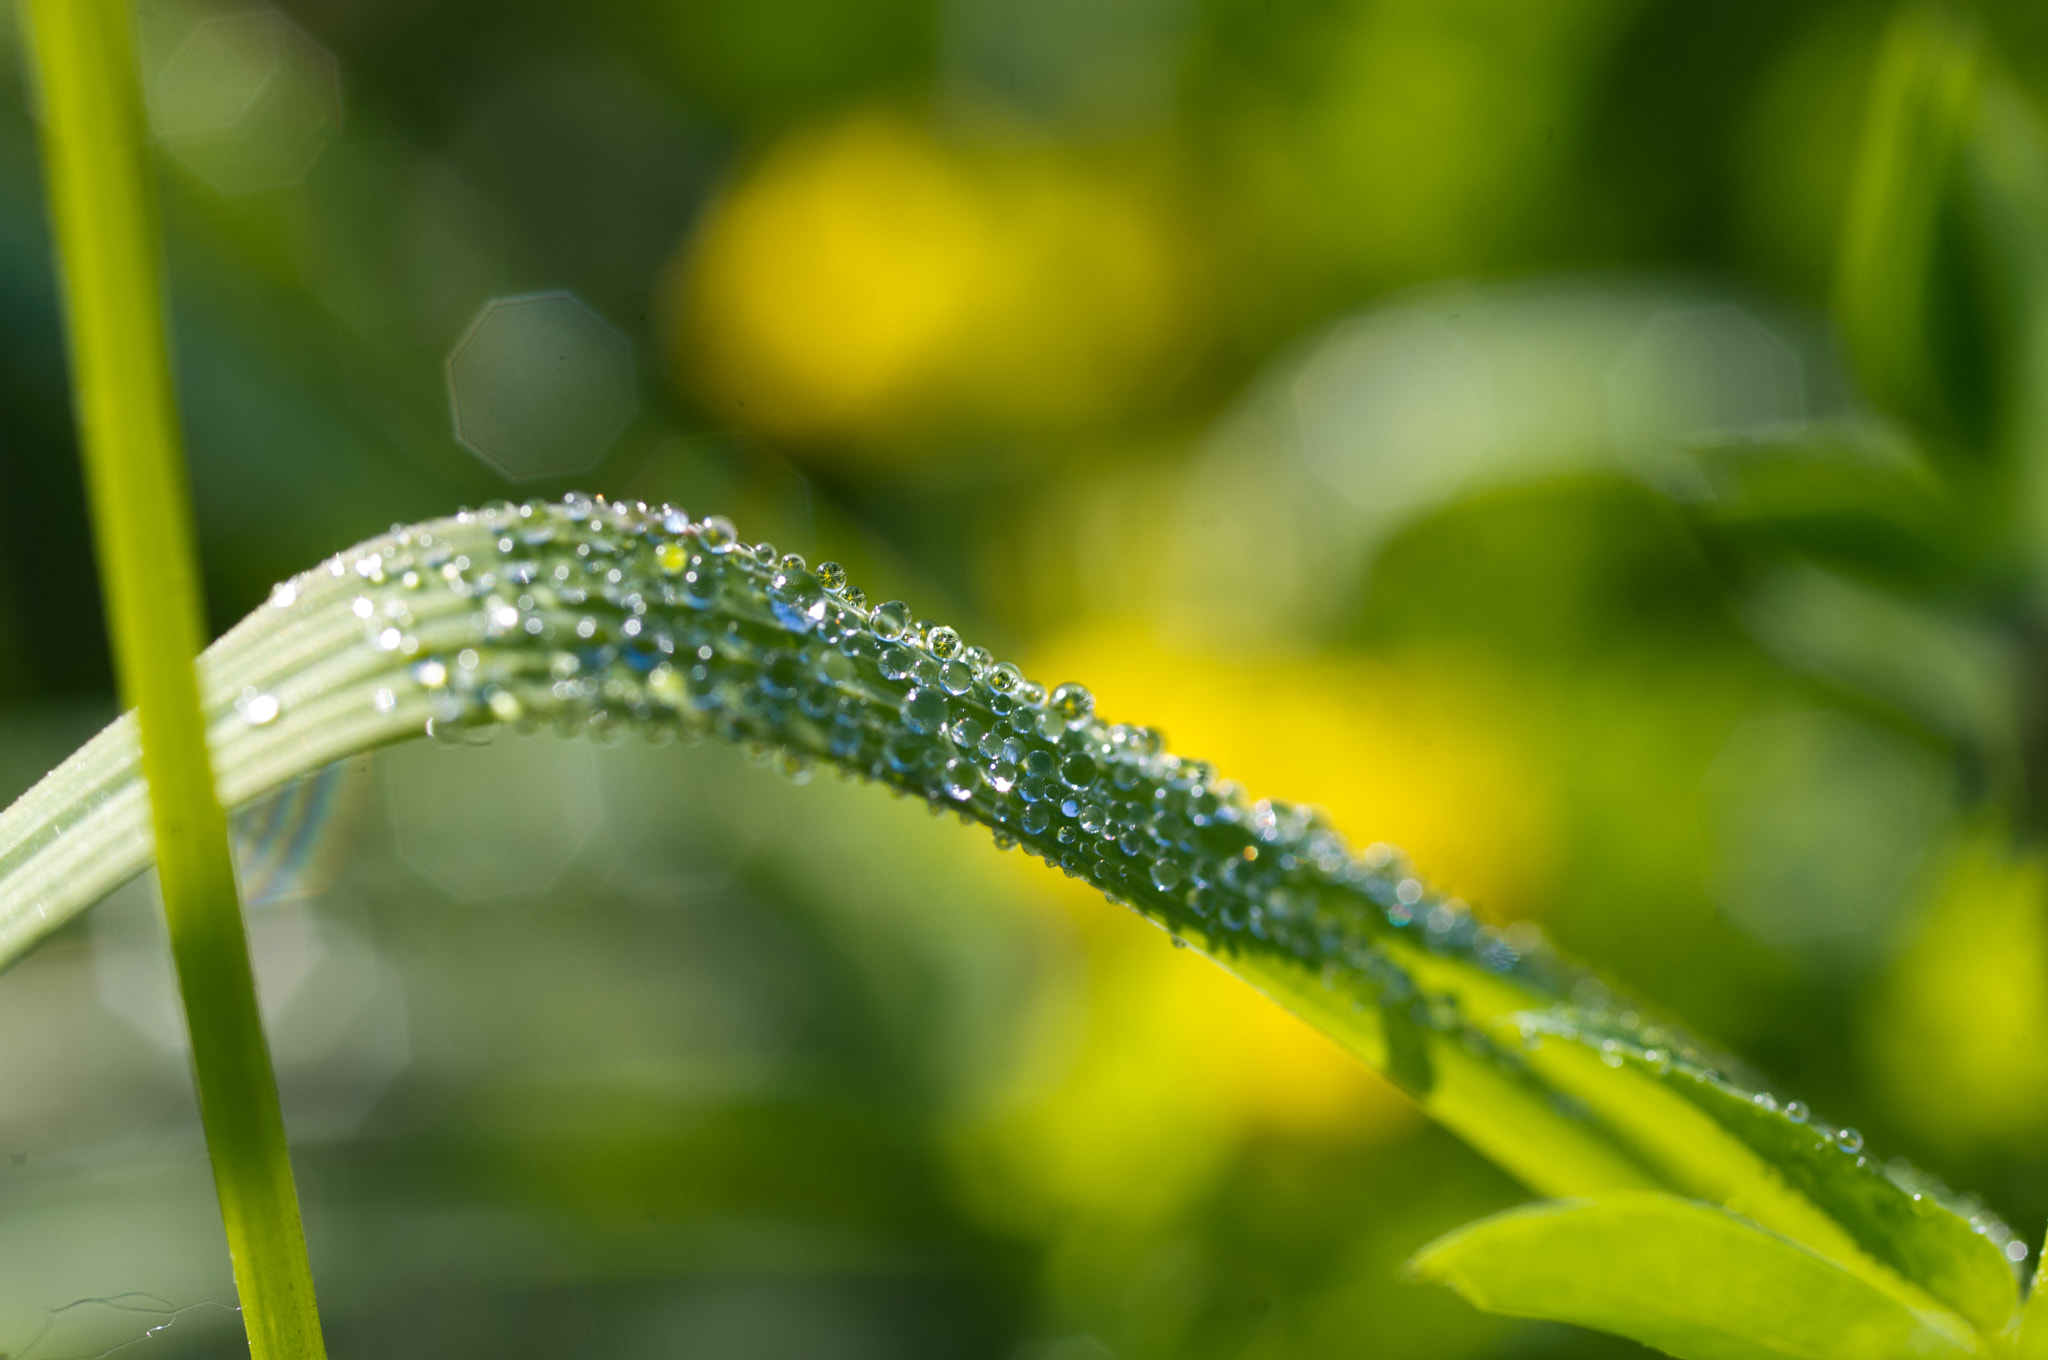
{"points": [[2008, 182], [587, 615], [1690, 1279], [1897, 286], [2033, 1336], [1891, 1212], [1942, 289], [1851, 496]]}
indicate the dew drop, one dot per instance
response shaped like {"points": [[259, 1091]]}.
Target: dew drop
{"points": [[718, 534], [1165, 875], [832, 576], [1849, 1140], [958, 778], [1073, 703], [890, 619], [925, 711], [259, 710]]}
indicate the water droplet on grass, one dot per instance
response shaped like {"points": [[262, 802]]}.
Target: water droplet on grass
{"points": [[889, 619], [925, 711], [718, 534], [1073, 703]]}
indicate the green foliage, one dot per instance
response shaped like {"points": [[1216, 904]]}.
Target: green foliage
{"points": [[1892, 562], [608, 618], [1694, 1281]]}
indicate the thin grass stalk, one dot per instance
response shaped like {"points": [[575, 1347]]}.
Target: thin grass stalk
{"points": [[109, 258]]}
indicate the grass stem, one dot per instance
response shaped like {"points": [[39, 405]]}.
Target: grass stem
{"points": [[109, 258]]}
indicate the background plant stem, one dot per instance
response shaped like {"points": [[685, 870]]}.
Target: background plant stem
{"points": [[108, 255]]}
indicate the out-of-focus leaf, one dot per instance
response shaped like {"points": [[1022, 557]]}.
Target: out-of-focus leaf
{"points": [[1897, 294], [1952, 675], [1846, 497], [2008, 181], [1688, 1278], [1942, 291]]}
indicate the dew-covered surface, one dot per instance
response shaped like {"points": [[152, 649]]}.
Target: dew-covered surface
{"points": [[614, 620]]}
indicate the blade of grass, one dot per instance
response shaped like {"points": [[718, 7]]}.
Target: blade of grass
{"points": [[621, 618], [105, 227]]}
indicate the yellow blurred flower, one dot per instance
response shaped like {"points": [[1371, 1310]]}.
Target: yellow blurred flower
{"points": [[1418, 751], [864, 281], [1954, 1035], [1152, 1066]]}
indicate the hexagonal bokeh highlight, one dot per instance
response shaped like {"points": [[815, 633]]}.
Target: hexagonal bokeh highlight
{"points": [[1700, 374], [247, 101], [540, 386], [1818, 823], [1393, 409], [493, 821], [333, 1006]]}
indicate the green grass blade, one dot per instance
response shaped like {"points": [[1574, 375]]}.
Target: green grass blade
{"points": [[108, 256], [1690, 1279], [589, 615]]}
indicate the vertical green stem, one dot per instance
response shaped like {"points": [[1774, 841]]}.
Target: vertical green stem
{"points": [[108, 256]]}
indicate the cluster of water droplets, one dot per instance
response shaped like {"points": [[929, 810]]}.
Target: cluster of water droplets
{"points": [[607, 617]]}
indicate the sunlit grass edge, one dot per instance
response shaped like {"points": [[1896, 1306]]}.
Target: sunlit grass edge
{"points": [[108, 256]]}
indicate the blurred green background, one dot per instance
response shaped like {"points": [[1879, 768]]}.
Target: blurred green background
{"points": [[1432, 409]]}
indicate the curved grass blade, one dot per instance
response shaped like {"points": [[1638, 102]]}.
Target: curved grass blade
{"points": [[1690, 1279], [588, 615]]}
